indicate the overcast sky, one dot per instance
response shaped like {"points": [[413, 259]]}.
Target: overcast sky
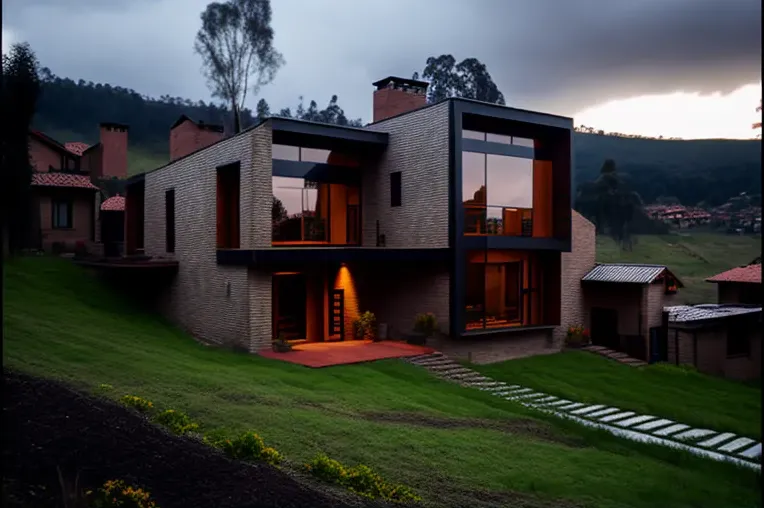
{"points": [[557, 56]]}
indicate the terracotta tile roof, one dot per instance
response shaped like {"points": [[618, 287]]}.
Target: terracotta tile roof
{"points": [[114, 204], [76, 147], [750, 274], [62, 180]]}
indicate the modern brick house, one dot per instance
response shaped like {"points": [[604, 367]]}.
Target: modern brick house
{"points": [[293, 228], [624, 307], [65, 185]]}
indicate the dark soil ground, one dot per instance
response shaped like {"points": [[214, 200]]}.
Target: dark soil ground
{"points": [[47, 425]]}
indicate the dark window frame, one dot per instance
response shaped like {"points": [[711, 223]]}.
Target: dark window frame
{"points": [[54, 216], [396, 189], [169, 226], [228, 206]]}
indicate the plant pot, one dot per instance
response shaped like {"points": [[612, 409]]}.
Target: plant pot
{"points": [[281, 348], [417, 339]]}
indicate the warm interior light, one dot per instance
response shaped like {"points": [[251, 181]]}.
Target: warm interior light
{"points": [[286, 273]]}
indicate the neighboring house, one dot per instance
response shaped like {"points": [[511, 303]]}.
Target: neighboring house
{"points": [[739, 285], [624, 305], [293, 228], [723, 340], [187, 136], [65, 185]]}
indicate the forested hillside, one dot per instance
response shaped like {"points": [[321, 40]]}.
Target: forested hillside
{"points": [[693, 171]]}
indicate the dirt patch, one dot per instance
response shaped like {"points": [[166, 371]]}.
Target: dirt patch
{"points": [[521, 426], [448, 495], [48, 425]]}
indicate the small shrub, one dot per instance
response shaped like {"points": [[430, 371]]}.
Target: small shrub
{"points": [[176, 421], [271, 456], [360, 479], [326, 469], [577, 336], [281, 345], [115, 493], [135, 402], [104, 388], [425, 324], [248, 446]]}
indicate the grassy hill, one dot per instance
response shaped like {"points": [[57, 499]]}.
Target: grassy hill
{"points": [[455, 446], [693, 257]]}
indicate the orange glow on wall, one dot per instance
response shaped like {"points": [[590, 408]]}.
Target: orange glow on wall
{"points": [[344, 280], [542, 199]]}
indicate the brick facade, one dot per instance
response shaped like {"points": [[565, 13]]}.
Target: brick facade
{"points": [[418, 148], [114, 151], [82, 217], [390, 102], [706, 349], [42, 156], [212, 302], [575, 264]]}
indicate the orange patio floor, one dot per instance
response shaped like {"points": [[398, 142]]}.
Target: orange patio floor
{"points": [[326, 354]]}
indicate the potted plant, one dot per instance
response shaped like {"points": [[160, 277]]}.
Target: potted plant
{"points": [[577, 336], [425, 325], [281, 345], [364, 327]]}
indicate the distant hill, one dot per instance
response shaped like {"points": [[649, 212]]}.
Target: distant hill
{"points": [[692, 171]]}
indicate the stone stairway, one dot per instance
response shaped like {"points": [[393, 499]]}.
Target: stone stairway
{"points": [[614, 355], [627, 424]]}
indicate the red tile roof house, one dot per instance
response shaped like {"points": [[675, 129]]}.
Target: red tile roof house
{"points": [[739, 285], [63, 185], [293, 228]]}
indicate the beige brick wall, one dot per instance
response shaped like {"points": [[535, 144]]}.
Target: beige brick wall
{"points": [[418, 147], [396, 294], [497, 348], [683, 339], [213, 302], [575, 264]]}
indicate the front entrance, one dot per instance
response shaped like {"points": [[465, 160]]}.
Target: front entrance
{"points": [[658, 345], [604, 328], [289, 306]]}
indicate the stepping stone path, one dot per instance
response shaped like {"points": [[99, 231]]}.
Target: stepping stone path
{"points": [[614, 355], [627, 424]]}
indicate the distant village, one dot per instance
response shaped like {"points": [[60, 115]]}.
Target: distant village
{"points": [[736, 216]]}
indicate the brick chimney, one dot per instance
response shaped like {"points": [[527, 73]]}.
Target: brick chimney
{"points": [[188, 136], [113, 150], [395, 96]]}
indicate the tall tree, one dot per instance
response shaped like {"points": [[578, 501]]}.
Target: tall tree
{"points": [[263, 111], [20, 90], [332, 114], [236, 46], [469, 79]]}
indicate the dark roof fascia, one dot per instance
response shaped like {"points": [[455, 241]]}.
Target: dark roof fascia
{"points": [[403, 81], [329, 130], [275, 256], [479, 108]]}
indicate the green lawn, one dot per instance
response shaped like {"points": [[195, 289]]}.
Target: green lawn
{"points": [[693, 257], [661, 390], [456, 446]]}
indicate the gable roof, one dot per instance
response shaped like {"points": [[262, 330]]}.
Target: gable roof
{"points": [[750, 274], [201, 125], [62, 180], [627, 273], [47, 140], [76, 147]]}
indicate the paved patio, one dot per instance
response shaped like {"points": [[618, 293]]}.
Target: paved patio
{"points": [[327, 354]]}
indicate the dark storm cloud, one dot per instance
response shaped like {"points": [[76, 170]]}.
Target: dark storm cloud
{"points": [[556, 55]]}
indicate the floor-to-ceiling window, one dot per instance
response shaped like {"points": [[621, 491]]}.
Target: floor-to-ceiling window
{"points": [[323, 206], [503, 289], [503, 194]]}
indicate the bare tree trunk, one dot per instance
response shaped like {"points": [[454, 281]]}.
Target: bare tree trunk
{"points": [[236, 119]]}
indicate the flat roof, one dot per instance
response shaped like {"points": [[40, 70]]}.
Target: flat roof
{"points": [[708, 311]]}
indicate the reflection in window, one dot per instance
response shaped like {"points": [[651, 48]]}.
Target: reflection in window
{"points": [[497, 193], [296, 209], [467, 134], [315, 155], [509, 181], [285, 152], [498, 138]]}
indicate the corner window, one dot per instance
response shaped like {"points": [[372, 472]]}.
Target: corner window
{"points": [[169, 225], [228, 184], [62, 214], [395, 189]]}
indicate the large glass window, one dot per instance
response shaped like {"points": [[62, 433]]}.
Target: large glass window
{"points": [[502, 289], [311, 212], [499, 138], [497, 193]]}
